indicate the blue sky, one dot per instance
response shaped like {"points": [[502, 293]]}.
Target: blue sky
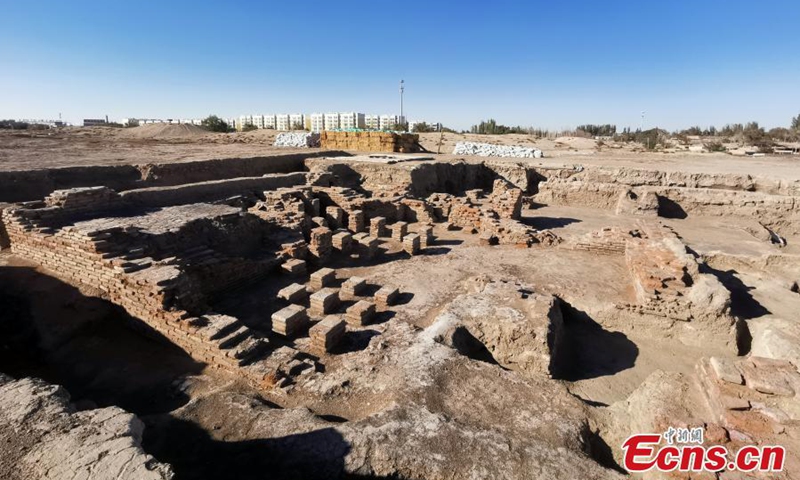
{"points": [[549, 64]]}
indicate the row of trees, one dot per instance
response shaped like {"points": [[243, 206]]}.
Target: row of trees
{"points": [[13, 125], [491, 127], [606, 130]]}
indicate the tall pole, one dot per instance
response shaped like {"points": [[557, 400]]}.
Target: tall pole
{"points": [[402, 88]]}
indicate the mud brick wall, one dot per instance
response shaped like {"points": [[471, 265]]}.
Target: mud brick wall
{"points": [[506, 200], [152, 293], [370, 141], [25, 185], [465, 216], [210, 191]]}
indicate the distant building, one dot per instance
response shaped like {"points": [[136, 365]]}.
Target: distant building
{"points": [[317, 122], [258, 121], [297, 119], [351, 121], [269, 121], [388, 122], [94, 122], [282, 122], [372, 122], [331, 121]]}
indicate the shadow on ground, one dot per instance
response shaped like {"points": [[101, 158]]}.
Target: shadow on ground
{"points": [[195, 455], [548, 223], [50, 330], [743, 305], [590, 351]]}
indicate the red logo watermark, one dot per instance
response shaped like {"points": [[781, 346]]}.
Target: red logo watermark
{"points": [[684, 452]]}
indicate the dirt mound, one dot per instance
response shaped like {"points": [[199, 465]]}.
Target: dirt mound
{"points": [[165, 131]]}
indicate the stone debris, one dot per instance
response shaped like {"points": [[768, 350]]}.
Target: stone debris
{"points": [[289, 320], [327, 334], [60, 442], [726, 370], [297, 140], [489, 150]]}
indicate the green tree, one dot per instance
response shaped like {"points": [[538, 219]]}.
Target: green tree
{"points": [[796, 123], [215, 124], [421, 127], [249, 127]]}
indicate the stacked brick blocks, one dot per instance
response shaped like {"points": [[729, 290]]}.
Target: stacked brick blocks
{"points": [[386, 296], [361, 313], [426, 237], [324, 301], [399, 230], [294, 293], [353, 287], [327, 334], [324, 277], [343, 241], [334, 216], [321, 243], [377, 227], [294, 266], [288, 321], [411, 244], [356, 221]]}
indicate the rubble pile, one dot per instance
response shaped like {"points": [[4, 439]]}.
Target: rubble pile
{"points": [[489, 150], [297, 140]]}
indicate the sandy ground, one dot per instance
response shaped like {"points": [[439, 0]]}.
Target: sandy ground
{"points": [[151, 144]]}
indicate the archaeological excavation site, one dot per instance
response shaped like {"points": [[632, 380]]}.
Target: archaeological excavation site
{"points": [[248, 312]]}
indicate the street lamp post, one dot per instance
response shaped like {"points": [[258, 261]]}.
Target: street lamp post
{"points": [[402, 88]]}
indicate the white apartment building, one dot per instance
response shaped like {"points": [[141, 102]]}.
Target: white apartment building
{"points": [[243, 120], [297, 119], [282, 122], [269, 121], [257, 121], [372, 122], [317, 122], [351, 121], [387, 122], [332, 121]]}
